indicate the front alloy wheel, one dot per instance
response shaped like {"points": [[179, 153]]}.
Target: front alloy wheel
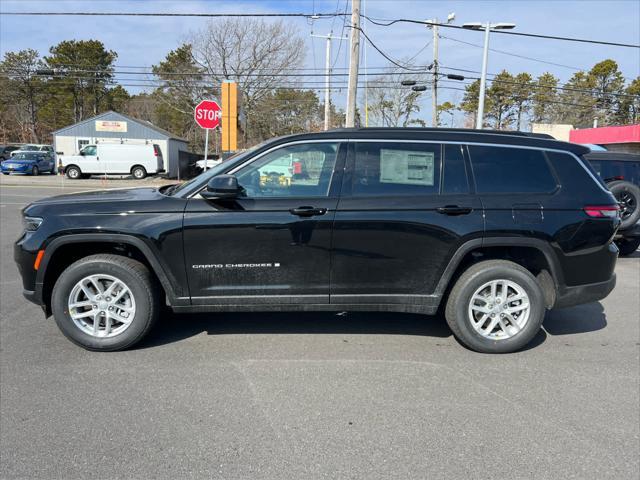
{"points": [[102, 306], [106, 302]]}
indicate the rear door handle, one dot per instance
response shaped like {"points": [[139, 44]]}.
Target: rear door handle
{"points": [[454, 210], [308, 211]]}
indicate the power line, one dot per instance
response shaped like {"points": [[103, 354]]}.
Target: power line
{"points": [[513, 54], [384, 23], [314, 16], [387, 56], [520, 56], [504, 32]]}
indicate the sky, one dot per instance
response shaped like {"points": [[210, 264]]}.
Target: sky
{"points": [[142, 42]]}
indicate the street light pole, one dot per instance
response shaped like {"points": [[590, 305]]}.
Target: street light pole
{"points": [[327, 79], [487, 27], [483, 77]]}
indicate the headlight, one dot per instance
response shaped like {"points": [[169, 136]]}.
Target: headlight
{"points": [[31, 224]]}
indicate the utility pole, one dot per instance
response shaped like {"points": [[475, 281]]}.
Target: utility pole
{"points": [[434, 24], [354, 60], [434, 93], [327, 79]]}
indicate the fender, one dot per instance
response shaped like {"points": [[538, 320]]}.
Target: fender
{"points": [[541, 245], [164, 275]]}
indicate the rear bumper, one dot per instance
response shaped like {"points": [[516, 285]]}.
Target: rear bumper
{"points": [[570, 296]]}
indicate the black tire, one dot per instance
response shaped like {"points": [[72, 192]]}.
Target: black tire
{"points": [[628, 246], [456, 311], [138, 172], [73, 172], [5, 173], [628, 196], [35, 171], [135, 275]]}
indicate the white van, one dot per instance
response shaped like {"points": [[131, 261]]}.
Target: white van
{"points": [[114, 159]]}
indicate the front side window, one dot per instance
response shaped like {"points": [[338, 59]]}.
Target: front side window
{"points": [[510, 170], [303, 170], [89, 151], [388, 168]]}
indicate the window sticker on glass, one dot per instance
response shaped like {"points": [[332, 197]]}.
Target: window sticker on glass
{"points": [[407, 167]]}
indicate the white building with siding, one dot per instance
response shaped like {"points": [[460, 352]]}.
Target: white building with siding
{"points": [[113, 127]]}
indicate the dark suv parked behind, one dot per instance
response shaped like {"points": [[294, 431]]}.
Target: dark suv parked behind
{"points": [[494, 228], [621, 174]]}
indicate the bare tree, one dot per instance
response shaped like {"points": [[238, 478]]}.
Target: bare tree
{"points": [[23, 88], [252, 52], [390, 104]]}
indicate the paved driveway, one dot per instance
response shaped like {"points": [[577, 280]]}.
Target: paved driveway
{"points": [[251, 396]]}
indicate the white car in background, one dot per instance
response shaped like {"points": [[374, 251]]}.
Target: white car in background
{"points": [[114, 159], [210, 163], [33, 147]]}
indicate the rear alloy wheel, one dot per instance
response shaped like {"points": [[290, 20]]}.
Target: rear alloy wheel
{"points": [[628, 246], [35, 171], [105, 302], [496, 306], [138, 172], [73, 172]]}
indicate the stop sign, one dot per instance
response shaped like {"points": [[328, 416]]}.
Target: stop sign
{"points": [[208, 114]]}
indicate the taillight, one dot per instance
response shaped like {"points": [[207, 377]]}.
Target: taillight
{"points": [[155, 150], [602, 211]]}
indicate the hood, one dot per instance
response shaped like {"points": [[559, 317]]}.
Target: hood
{"points": [[21, 161], [102, 196]]}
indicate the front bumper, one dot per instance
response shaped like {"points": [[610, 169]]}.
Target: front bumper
{"points": [[16, 169], [570, 296]]}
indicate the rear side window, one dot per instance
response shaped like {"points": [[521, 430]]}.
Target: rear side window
{"points": [[392, 169], [510, 170]]}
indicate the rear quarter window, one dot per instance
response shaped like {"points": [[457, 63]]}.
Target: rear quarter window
{"points": [[511, 170]]}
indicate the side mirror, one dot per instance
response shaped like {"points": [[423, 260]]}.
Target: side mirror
{"points": [[222, 187], [81, 153]]}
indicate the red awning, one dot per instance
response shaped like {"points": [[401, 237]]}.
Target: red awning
{"points": [[606, 135]]}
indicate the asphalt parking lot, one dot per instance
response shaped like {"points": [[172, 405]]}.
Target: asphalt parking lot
{"points": [[316, 395]]}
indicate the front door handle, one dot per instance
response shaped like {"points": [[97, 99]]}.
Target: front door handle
{"points": [[308, 211], [454, 210]]}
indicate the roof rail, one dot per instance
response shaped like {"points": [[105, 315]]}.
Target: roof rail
{"points": [[516, 133]]}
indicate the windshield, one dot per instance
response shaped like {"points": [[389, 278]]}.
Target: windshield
{"points": [[212, 172], [29, 147]]}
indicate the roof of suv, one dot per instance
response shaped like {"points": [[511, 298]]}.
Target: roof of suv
{"points": [[614, 156], [450, 134]]}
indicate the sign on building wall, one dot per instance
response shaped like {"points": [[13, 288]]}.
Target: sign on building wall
{"points": [[110, 126]]}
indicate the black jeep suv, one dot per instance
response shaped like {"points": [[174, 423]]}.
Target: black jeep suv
{"points": [[492, 228], [621, 174]]}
